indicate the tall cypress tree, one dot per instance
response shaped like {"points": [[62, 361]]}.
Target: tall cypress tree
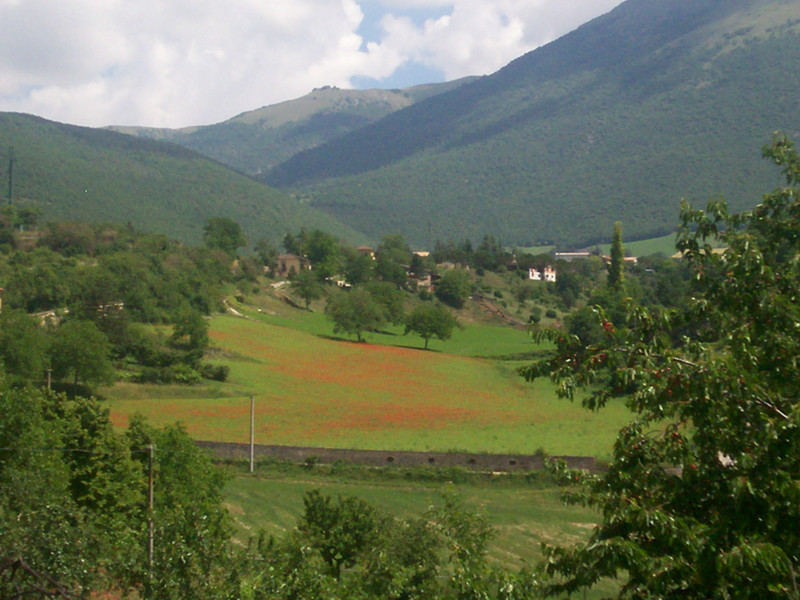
{"points": [[615, 273]]}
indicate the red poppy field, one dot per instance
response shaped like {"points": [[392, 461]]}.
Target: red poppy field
{"points": [[311, 390]]}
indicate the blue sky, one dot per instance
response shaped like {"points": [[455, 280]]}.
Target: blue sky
{"points": [[175, 63], [409, 73]]}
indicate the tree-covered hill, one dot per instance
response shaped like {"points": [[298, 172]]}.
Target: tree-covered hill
{"points": [[618, 120], [78, 173], [257, 140]]}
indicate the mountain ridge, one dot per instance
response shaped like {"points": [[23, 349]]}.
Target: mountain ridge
{"points": [[69, 172], [255, 140], [702, 78]]}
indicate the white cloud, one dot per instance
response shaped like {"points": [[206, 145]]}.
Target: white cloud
{"points": [[186, 62]]}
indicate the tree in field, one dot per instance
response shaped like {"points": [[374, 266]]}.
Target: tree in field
{"points": [[453, 288], [616, 275], [306, 285], [339, 530], [431, 319], [355, 312], [702, 495], [80, 351], [223, 234]]}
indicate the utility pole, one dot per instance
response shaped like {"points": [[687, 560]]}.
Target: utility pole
{"points": [[252, 429], [150, 482]]}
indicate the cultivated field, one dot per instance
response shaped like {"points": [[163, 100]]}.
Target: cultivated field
{"points": [[315, 390]]}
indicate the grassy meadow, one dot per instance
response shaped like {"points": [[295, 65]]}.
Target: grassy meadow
{"points": [[314, 389], [524, 511]]}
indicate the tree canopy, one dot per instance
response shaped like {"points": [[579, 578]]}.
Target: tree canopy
{"points": [[355, 312], [431, 319], [224, 234], [702, 495]]}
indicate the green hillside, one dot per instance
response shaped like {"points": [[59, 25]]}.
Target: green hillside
{"points": [[618, 120], [257, 140], [78, 173]]}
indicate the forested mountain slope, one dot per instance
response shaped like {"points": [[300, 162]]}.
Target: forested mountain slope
{"points": [[257, 140], [79, 173], [618, 120]]}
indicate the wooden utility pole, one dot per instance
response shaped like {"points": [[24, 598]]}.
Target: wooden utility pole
{"points": [[150, 484], [252, 429]]}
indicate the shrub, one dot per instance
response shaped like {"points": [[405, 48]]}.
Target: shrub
{"points": [[215, 372]]}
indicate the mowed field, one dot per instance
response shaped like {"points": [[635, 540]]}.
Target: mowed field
{"points": [[523, 513], [314, 389]]}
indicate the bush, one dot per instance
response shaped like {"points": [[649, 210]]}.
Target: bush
{"points": [[214, 372], [551, 314], [177, 373]]}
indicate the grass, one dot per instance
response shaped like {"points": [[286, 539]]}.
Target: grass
{"points": [[524, 511], [664, 245], [312, 390]]}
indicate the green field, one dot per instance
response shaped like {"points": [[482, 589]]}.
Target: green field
{"points": [[661, 245], [312, 389], [524, 511]]}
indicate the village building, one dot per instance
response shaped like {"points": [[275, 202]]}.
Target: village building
{"points": [[547, 274], [629, 260], [288, 264], [366, 251], [570, 256]]}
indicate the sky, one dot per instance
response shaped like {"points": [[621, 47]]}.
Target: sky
{"points": [[176, 63]]}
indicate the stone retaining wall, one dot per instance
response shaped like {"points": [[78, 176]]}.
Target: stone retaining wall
{"points": [[382, 458]]}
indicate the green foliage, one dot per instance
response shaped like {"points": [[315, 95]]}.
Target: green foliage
{"points": [[346, 548], [701, 496], [70, 173], [72, 505], [190, 334], [306, 285], [358, 267], [390, 298], [354, 312], [616, 272], [192, 529], [267, 253], [392, 259], [340, 531], [80, 351], [430, 319], [453, 288], [322, 251], [224, 234], [23, 347]]}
